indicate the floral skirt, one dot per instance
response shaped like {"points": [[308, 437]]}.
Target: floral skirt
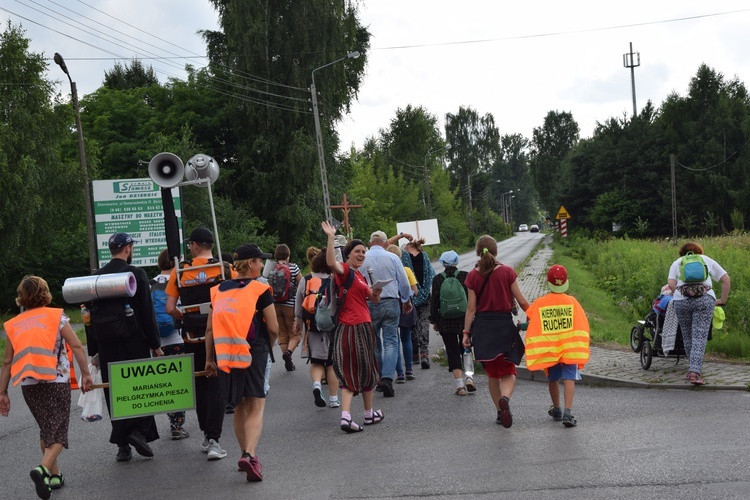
{"points": [[49, 403]]}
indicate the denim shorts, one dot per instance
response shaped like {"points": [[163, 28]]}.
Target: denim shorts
{"points": [[562, 372]]}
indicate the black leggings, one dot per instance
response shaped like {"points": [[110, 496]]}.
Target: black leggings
{"points": [[453, 349]]}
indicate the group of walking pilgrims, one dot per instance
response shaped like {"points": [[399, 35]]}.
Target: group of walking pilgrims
{"points": [[360, 317]]}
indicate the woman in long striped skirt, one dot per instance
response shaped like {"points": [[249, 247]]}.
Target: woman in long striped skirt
{"points": [[354, 340]]}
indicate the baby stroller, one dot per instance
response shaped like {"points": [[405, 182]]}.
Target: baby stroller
{"points": [[646, 337]]}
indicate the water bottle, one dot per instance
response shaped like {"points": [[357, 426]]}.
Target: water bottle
{"points": [[129, 310], [85, 315], [468, 363]]}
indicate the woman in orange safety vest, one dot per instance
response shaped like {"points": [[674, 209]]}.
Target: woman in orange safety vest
{"points": [[242, 327], [35, 358]]}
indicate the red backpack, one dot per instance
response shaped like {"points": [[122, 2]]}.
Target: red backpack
{"points": [[281, 282]]}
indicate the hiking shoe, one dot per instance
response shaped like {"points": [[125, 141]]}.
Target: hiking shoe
{"points": [[555, 413], [140, 444], [319, 401], [400, 379], [334, 403], [425, 362], [214, 450], [40, 476], [251, 467], [470, 385], [568, 420], [387, 386], [124, 454], [504, 416], [461, 391], [204, 445], [410, 375], [179, 433], [288, 364]]}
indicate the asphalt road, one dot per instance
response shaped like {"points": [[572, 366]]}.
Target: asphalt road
{"points": [[629, 443]]}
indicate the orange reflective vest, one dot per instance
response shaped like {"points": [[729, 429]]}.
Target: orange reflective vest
{"points": [[558, 332], [33, 335], [232, 313]]}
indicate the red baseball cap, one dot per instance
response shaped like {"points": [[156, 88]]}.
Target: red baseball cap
{"points": [[557, 279]]}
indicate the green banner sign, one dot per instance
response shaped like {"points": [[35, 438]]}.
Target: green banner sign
{"points": [[149, 386]]}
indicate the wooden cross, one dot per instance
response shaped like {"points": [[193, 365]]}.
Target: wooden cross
{"points": [[346, 207]]}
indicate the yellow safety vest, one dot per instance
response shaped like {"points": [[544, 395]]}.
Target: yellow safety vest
{"points": [[232, 314], [33, 335], [558, 332]]}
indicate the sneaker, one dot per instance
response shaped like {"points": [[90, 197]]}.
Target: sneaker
{"points": [[461, 391], [410, 375], [425, 362], [214, 450], [124, 454], [334, 403], [179, 433], [568, 420], [470, 386], [504, 416], [555, 413], [319, 401], [204, 446], [288, 364], [400, 379], [229, 410], [387, 386], [251, 467]]}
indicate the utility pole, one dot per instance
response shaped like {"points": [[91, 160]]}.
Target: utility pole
{"points": [[471, 209], [427, 186], [674, 201], [632, 61]]}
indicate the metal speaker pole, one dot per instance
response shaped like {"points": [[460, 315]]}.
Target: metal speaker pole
{"points": [[166, 169]]}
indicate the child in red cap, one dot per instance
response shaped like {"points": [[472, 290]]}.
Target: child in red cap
{"points": [[557, 341]]}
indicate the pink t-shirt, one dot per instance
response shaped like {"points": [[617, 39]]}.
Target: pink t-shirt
{"points": [[496, 296], [355, 310]]}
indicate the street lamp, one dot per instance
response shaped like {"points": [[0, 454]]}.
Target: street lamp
{"points": [[319, 135], [93, 261], [503, 205]]}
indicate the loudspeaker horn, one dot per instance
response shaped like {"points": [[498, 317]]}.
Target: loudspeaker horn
{"points": [[166, 169], [202, 166]]}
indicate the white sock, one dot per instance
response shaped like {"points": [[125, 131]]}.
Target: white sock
{"points": [[459, 382], [333, 398], [317, 385]]}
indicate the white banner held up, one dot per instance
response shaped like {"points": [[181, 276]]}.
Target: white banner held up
{"points": [[420, 229]]}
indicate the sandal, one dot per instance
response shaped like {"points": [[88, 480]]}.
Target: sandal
{"points": [[40, 476], [695, 379], [377, 417], [56, 481], [350, 427]]}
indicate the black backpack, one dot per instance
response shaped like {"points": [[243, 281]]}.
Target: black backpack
{"points": [[110, 320]]}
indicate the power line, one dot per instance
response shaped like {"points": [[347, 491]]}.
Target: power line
{"points": [[560, 33]]}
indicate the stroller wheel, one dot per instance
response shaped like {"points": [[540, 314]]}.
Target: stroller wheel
{"points": [[646, 355], [636, 338]]}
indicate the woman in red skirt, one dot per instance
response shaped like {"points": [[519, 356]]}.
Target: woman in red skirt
{"points": [[354, 339]]}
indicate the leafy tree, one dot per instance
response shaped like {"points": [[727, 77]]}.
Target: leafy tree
{"points": [[41, 212], [549, 146], [472, 149], [130, 76], [262, 60]]}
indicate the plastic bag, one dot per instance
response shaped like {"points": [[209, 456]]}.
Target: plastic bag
{"points": [[92, 402]]}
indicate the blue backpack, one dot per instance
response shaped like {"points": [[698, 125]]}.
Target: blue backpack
{"points": [[164, 321]]}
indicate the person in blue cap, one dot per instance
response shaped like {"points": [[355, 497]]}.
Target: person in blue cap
{"points": [[447, 311]]}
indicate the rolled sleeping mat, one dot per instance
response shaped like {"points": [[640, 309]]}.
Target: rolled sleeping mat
{"points": [[104, 286]]}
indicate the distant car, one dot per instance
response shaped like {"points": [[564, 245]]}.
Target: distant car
{"points": [[534, 228], [523, 227]]}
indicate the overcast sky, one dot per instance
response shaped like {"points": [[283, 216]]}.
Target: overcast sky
{"points": [[515, 59]]}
